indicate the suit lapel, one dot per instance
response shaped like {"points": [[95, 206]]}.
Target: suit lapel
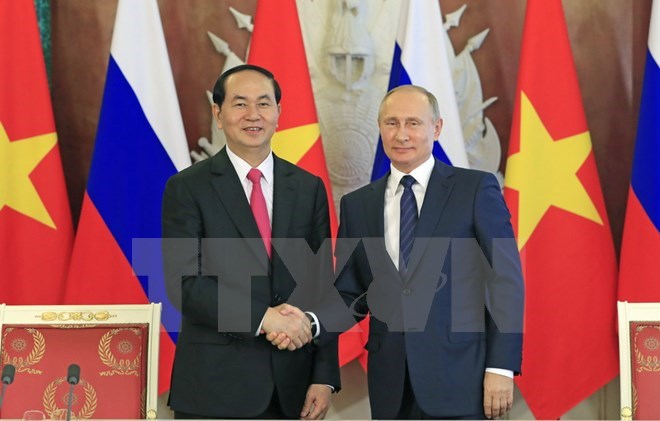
{"points": [[375, 204], [284, 197], [435, 199], [230, 191], [374, 215]]}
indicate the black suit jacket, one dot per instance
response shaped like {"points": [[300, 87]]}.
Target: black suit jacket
{"points": [[457, 310], [223, 282]]}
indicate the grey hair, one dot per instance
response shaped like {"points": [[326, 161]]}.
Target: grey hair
{"points": [[433, 101]]}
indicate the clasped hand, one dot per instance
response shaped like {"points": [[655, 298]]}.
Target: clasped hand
{"points": [[287, 327]]}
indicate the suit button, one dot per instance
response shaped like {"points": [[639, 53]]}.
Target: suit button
{"points": [[407, 291]]}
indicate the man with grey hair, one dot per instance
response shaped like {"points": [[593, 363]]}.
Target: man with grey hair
{"points": [[438, 269]]}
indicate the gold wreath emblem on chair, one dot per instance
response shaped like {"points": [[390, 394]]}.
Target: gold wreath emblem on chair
{"points": [[23, 365], [121, 366], [651, 344], [88, 408]]}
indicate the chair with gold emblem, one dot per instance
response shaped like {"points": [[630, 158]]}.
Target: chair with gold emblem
{"points": [[639, 358], [115, 346]]}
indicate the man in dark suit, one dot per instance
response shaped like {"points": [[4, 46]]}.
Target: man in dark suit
{"points": [[233, 286], [437, 266]]}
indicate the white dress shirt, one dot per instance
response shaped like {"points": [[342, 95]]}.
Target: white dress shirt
{"points": [[266, 167], [393, 192]]}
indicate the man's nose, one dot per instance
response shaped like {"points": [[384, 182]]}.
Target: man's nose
{"points": [[253, 112], [401, 134]]}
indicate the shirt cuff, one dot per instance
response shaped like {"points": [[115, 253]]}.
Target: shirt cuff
{"points": [[258, 332], [316, 326], [332, 389], [500, 371]]}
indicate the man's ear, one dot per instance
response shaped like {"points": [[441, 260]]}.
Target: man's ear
{"points": [[215, 111], [438, 128]]}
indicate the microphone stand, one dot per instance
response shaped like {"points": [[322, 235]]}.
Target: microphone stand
{"points": [[69, 402], [2, 394]]}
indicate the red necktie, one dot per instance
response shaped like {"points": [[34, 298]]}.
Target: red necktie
{"points": [[259, 209]]}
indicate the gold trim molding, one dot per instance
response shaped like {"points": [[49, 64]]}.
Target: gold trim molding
{"points": [[75, 316]]}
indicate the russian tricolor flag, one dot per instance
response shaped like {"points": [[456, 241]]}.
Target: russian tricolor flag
{"points": [[140, 143], [420, 58], [639, 278]]}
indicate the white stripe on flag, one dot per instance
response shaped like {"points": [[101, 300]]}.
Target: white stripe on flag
{"points": [[421, 38], [654, 32], [138, 47]]}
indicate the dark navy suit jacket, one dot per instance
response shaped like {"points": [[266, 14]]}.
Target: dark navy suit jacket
{"points": [[458, 308]]}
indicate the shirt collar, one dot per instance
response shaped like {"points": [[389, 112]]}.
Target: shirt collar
{"points": [[421, 174], [242, 168]]}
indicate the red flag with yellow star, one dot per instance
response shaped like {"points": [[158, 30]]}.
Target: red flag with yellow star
{"points": [[35, 219], [277, 44], [554, 194]]}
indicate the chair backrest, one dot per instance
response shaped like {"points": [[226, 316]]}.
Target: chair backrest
{"points": [[639, 358], [115, 346]]}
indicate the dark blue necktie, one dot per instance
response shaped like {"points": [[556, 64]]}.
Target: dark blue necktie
{"points": [[408, 222]]}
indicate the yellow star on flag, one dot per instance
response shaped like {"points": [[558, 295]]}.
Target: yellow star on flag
{"points": [[544, 173], [17, 161], [292, 144]]}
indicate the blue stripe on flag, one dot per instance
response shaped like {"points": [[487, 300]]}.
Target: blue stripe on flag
{"points": [[398, 74], [645, 179], [127, 178], [130, 166]]}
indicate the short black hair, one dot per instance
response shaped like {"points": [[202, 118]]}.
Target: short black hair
{"points": [[219, 89]]}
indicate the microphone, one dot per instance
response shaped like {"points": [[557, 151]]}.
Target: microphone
{"points": [[72, 377], [8, 373], [73, 374]]}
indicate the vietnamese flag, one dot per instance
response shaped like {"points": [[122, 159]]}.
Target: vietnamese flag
{"points": [[554, 194], [35, 219], [277, 44]]}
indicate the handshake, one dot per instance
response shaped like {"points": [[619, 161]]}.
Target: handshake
{"points": [[287, 327]]}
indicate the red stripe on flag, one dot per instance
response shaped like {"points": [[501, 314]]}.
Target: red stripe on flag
{"points": [[107, 280], [165, 360], [640, 253]]}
